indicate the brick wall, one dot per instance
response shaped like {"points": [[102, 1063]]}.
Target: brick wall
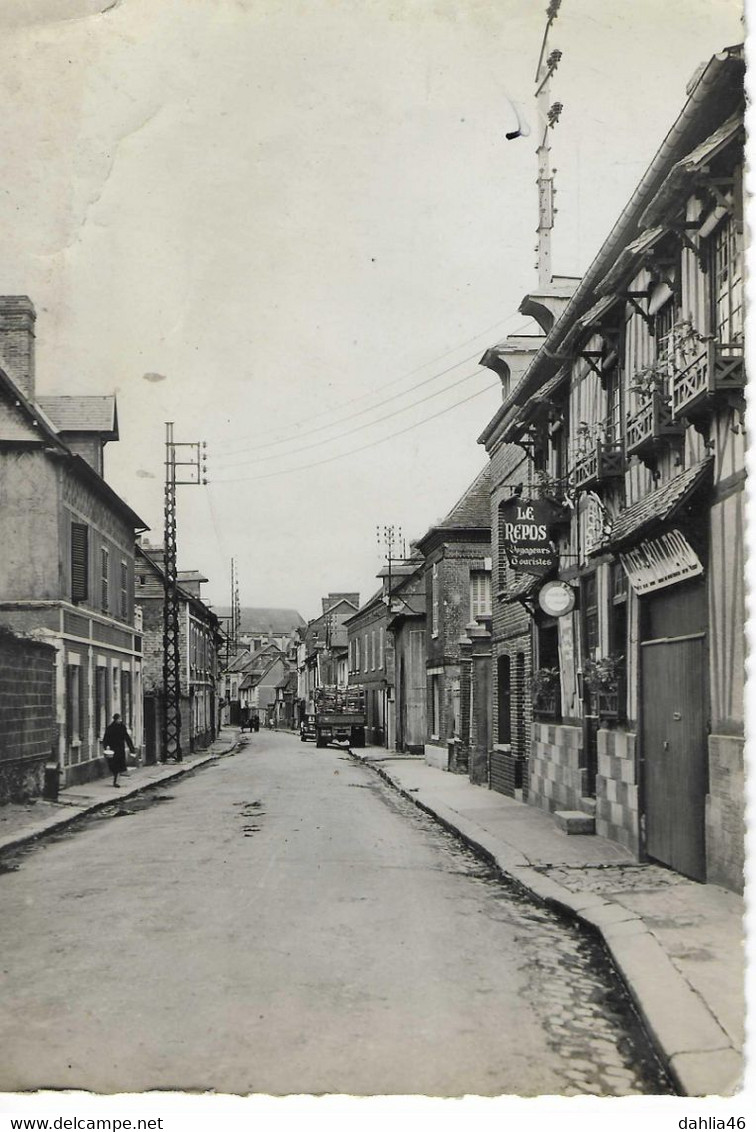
{"points": [[454, 561], [27, 715], [17, 318], [152, 645], [725, 817], [512, 638]]}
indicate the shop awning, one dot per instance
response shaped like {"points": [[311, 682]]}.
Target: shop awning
{"points": [[657, 507], [660, 562]]}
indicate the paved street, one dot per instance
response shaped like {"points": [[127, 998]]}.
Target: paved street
{"points": [[283, 921]]}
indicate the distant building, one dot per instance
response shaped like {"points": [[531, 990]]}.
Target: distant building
{"points": [[322, 651], [406, 654], [199, 640], [371, 668], [458, 594], [263, 626], [259, 680]]}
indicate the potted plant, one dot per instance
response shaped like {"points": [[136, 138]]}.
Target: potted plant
{"points": [[545, 689], [649, 380], [603, 678]]}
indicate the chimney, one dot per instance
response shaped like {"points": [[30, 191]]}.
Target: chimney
{"points": [[17, 318]]}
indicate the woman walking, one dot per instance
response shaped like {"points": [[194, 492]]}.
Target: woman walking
{"points": [[115, 738]]}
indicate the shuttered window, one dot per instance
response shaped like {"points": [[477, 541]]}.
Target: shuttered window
{"points": [[124, 591], [104, 579], [79, 562], [589, 603], [434, 600], [480, 593]]}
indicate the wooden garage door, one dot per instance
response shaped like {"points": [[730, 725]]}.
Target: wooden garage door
{"points": [[674, 750]]}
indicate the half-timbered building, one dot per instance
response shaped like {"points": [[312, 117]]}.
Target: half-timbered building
{"points": [[632, 411]]}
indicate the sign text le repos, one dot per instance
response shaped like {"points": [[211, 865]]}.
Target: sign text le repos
{"points": [[526, 537]]}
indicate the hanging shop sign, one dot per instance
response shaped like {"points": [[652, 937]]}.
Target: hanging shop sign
{"points": [[556, 599], [525, 535], [660, 562], [595, 523]]}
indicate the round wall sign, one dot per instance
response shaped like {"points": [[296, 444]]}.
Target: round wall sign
{"points": [[556, 599]]}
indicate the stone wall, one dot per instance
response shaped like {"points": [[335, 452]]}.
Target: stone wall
{"points": [[725, 812], [556, 775], [617, 788], [27, 715]]}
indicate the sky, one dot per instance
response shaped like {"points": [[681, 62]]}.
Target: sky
{"points": [[293, 228]]}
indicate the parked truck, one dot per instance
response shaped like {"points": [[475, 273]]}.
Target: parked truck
{"points": [[339, 716]]}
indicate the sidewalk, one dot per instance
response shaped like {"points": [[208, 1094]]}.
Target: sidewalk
{"points": [[677, 944], [23, 822]]}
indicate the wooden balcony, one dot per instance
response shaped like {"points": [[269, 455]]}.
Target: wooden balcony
{"points": [[651, 426], [719, 369], [601, 463]]}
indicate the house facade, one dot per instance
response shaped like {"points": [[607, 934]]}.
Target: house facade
{"points": [[406, 633], [266, 669], [260, 626], [632, 413], [458, 594], [67, 558], [371, 667], [199, 641], [322, 652]]}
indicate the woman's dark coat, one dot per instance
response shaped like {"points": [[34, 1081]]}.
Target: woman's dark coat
{"points": [[117, 737]]}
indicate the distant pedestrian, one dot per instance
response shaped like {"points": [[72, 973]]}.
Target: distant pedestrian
{"points": [[256, 722], [116, 739], [245, 720]]}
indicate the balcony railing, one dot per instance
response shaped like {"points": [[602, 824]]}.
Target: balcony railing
{"points": [[719, 369], [602, 462], [652, 424]]}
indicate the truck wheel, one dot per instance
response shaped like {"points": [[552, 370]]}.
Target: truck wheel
{"points": [[358, 737], [302, 739], [320, 742]]}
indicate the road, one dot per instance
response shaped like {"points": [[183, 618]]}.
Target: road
{"points": [[280, 922]]}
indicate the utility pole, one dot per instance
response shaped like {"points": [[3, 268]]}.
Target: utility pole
{"points": [[548, 116], [237, 613], [193, 468], [389, 537], [232, 634]]}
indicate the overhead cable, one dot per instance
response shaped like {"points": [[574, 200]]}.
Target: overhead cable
{"points": [[358, 428], [362, 448]]}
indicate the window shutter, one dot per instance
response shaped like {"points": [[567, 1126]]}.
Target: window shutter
{"points": [[105, 579], [79, 562]]}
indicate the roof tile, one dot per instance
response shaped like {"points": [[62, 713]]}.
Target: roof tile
{"points": [[81, 414]]}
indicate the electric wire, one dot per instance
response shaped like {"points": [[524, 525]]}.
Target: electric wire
{"points": [[362, 448], [358, 413], [396, 381], [359, 428]]}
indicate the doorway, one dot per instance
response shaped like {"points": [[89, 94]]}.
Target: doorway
{"points": [[674, 729]]}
